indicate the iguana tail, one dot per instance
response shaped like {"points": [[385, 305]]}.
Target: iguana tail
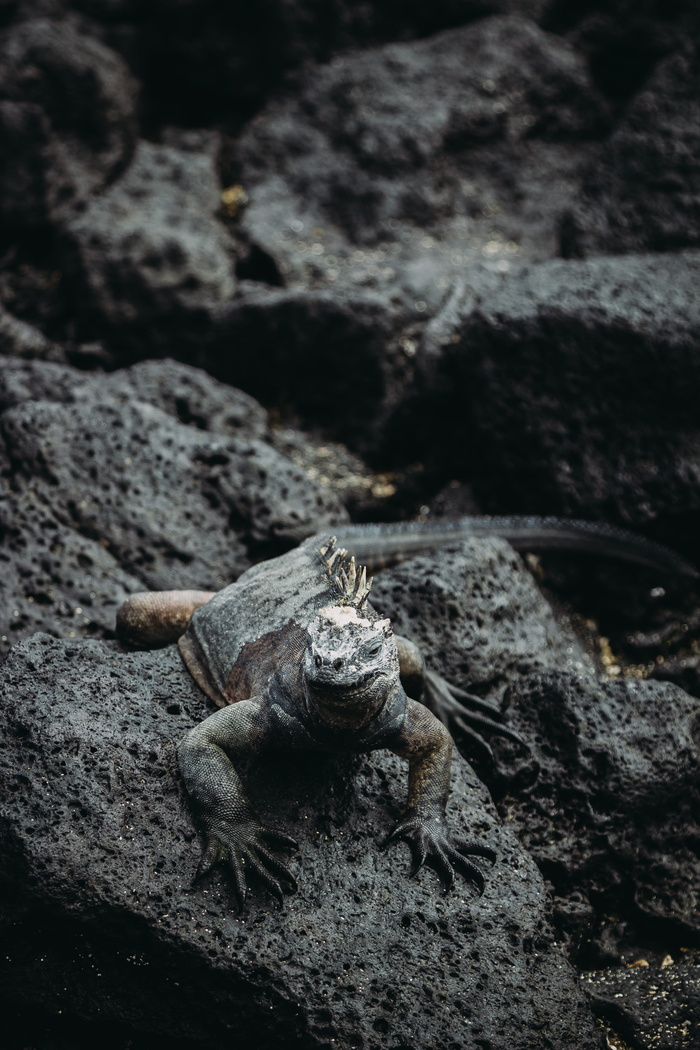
{"points": [[378, 546], [150, 619]]}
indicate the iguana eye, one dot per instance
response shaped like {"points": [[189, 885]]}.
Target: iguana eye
{"points": [[374, 648]]}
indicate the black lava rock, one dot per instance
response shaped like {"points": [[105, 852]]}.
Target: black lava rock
{"points": [[582, 380], [67, 119], [607, 799], [476, 611], [328, 356], [396, 168], [642, 193], [99, 917], [149, 259], [650, 1005], [109, 494]]}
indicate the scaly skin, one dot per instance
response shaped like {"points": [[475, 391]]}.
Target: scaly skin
{"points": [[298, 660], [336, 689]]}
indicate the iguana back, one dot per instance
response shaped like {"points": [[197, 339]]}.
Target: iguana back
{"points": [[245, 632]]}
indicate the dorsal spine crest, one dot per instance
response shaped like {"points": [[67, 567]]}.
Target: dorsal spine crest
{"points": [[345, 577]]}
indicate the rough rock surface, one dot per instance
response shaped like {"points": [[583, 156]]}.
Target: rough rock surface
{"points": [[642, 192], [372, 287], [650, 1005], [598, 413], [110, 494], [622, 40], [393, 169], [185, 393], [477, 612], [99, 849], [19, 339], [206, 60], [67, 119], [607, 798], [329, 357], [149, 253]]}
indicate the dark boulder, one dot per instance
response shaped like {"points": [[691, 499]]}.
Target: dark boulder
{"points": [[607, 798], [204, 60], [332, 359], [421, 155], [109, 469], [149, 259], [187, 394], [650, 1005], [18, 339], [99, 917], [583, 379], [477, 612], [642, 193], [67, 119]]}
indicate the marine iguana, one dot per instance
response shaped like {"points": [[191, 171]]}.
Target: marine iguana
{"points": [[298, 660]]}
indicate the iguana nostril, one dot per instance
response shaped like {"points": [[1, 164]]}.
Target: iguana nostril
{"points": [[337, 664], [318, 661]]}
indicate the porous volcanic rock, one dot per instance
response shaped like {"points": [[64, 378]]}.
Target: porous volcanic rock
{"points": [[396, 168], [607, 800], [99, 851], [478, 615], [333, 359], [650, 1006], [582, 380], [186, 393], [622, 39], [189, 395], [205, 60], [109, 494], [23, 340], [67, 119], [149, 257], [54, 578], [642, 193]]}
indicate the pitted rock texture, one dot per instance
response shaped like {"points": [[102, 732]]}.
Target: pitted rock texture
{"points": [[150, 253], [191, 396], [109, 494], [606, 800], [67, 119], [623, 40], [332, 358], [53, 577], [476, 611], [582, 378], [649, 1005], [204, 60], [187, 394], [22, 340], [642, 193], [99, 849], [408, 153]]}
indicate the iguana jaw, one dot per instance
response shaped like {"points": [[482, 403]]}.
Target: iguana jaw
{"points": [[350, 667]]}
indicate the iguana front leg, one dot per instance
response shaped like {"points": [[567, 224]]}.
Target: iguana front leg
{"points": [[232, 830], [463, 713], [427, 745]]}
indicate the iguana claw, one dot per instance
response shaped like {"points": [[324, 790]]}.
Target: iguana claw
{"points": [[429, 844], [468, 713], [247, 846]]}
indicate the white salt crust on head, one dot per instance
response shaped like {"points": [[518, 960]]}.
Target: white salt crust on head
{"points": [[340, 615]]}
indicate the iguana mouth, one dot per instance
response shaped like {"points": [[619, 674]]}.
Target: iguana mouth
{"points": [[344, 690]]}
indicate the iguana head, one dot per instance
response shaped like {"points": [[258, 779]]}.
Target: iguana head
{"points": [[351, 666]]}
